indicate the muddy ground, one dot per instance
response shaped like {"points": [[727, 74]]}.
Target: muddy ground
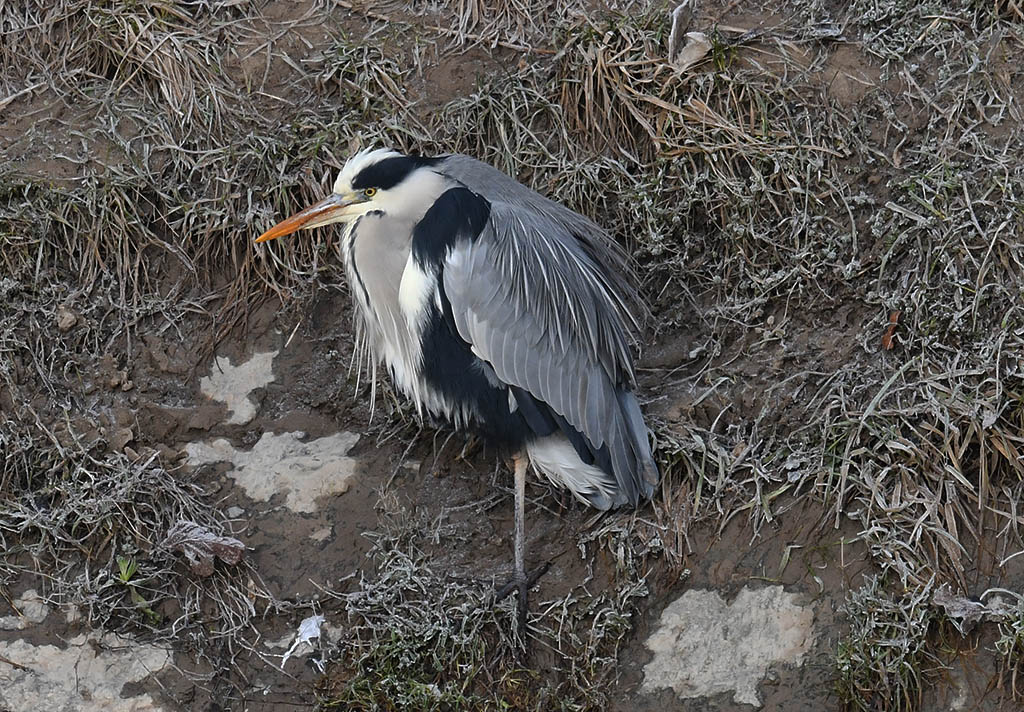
{"points": [[191, 376]]}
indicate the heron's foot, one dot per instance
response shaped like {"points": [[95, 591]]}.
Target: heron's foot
{"points": [[528, 581], [523, 585]]}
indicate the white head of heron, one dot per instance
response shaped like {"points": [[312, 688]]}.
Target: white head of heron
{"points": [[372, 180]]}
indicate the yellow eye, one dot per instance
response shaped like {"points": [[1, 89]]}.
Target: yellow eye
{"points": [[370, 192]]}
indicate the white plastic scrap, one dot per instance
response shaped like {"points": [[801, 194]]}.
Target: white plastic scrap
{"points": [[309, 629]]}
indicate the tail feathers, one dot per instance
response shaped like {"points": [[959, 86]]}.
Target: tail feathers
{"points": [[645, 471], [622, 471], [556, 458]]}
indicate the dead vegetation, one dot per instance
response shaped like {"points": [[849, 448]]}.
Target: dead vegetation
{"points": [[91, 526], [778, 225], [884, 661], [417, 638]]}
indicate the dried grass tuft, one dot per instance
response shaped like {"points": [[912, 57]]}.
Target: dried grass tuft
{"points": [[882, 663], [90, 528], [418, 638]]}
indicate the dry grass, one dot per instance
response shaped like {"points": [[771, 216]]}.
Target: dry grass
{"points": [[90, 527], [882, 663], [776, 227], [1010, 645], [513, 24], [932, 448], [417, 638], [191, 184], [901, 32], [156, 47]]}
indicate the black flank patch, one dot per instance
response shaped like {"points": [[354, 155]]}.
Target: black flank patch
{"points": [[390, 172], [542, 420], [458, 214], [450, 367], [537, 414]]}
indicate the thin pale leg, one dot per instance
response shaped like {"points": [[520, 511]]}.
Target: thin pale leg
{"points": [[522, 581], [521, 462]]}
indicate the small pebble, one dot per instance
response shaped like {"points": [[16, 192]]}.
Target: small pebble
{"points": [[65, 318]]}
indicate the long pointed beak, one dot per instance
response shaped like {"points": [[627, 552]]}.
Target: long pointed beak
{"points": [[330, 209]]}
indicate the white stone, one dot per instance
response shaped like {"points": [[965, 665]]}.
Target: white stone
{"points": [[233, 384], [704, 646], [304, 471], [32, 609], [85, 676]]}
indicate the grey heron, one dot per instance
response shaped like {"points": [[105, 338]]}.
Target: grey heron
{"points": [[500, 311]]}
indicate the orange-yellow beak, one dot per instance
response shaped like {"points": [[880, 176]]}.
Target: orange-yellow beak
{"points": [[330, 209]]}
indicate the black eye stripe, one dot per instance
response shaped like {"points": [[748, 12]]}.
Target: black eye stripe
{"points": [[389, 172]]}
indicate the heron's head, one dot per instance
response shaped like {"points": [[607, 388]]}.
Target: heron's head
{"points": [[381, 180]]}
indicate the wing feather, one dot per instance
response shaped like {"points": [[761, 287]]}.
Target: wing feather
{"points": [[541, 311]]}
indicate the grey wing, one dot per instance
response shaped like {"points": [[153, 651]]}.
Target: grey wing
{"points": [[531, 303], [590, 239]]}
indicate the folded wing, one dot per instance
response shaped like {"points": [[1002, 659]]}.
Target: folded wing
{"points": [[533, 301]]}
